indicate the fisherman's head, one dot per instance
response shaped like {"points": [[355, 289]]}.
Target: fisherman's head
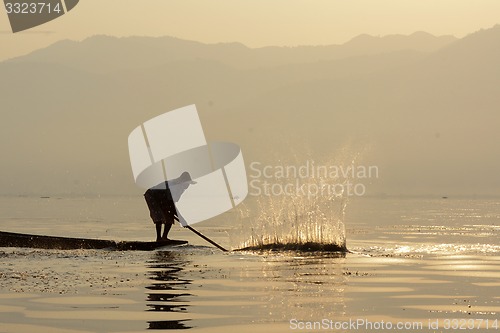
{"points": [[185, 178], [181, 182]]}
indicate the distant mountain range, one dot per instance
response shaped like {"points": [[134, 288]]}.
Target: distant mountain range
{"points": [[105, 54], [422, 108]]}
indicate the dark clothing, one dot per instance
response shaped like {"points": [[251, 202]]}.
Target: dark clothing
{"points": [[161, 205]]}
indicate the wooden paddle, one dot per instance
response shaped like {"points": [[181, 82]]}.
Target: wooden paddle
{"points": [[202, 236]]}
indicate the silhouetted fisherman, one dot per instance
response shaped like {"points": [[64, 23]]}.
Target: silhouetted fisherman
{"points": [[161, 203]]}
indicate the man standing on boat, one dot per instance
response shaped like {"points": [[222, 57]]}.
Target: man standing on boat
{"points": [[161, 203]]}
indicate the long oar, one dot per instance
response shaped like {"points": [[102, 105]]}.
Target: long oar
{"points": [[202, 235], [206, 238]]}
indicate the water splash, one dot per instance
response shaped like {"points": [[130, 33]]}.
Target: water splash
{"points": [[298, 223], [301, 220]]}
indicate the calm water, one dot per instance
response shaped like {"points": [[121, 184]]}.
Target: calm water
{"points": [[414, 260]]}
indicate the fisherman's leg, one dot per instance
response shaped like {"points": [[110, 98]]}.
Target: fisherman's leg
{"points": [[168, 225], [165, 232], [158, 231]]}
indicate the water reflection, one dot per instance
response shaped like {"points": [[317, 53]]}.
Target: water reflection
{"points": [[307, 286], [244, 289], [166, 270]]}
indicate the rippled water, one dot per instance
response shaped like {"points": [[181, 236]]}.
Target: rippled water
{"points": [[412, 260]]}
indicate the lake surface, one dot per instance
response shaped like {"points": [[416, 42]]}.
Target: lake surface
{"points": [[416, 264]]}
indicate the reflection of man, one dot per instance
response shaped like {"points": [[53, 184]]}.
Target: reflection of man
{"points": [[161, 199]]}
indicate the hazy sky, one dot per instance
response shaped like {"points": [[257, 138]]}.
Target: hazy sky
{"points": [[255, 22]]}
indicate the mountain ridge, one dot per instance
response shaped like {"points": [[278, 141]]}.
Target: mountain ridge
{"points": [[430, 117], [115, 53]]}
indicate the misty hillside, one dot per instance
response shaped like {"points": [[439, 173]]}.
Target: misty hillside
{"points": [[422, 108], [104, 53]]}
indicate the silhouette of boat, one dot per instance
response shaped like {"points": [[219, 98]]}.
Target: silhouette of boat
{"points": [[11, 239]]}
